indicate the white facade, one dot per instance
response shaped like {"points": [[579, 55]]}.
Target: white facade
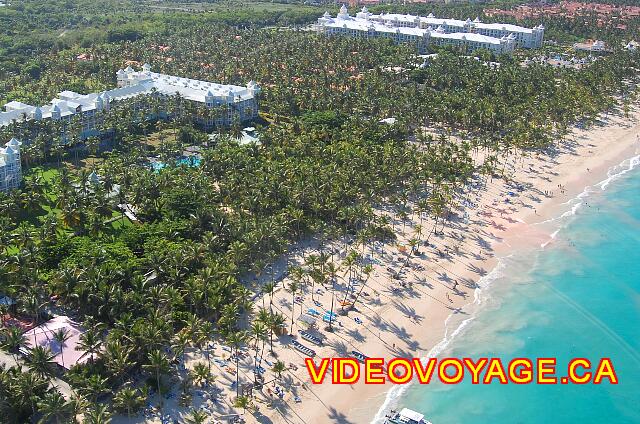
{"points": [[525, 37], [367, 25], [10, 166], [240, 102], [595, 46]]}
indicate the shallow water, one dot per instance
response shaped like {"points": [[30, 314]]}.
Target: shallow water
{"points": [[577, 297]]}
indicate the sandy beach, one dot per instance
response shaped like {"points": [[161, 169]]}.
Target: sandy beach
{"points": [[411, 323], [407, 317]]}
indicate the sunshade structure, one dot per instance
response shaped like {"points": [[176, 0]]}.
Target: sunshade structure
{"points": [[7, 301], [43, 335]]}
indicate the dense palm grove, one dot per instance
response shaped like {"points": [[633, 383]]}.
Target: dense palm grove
{"points": [[324, 164]]}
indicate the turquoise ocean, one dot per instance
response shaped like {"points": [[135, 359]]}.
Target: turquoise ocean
{"points": [[577, 296]]}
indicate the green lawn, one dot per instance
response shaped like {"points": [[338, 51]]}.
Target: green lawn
{"points": [[49, 173]]}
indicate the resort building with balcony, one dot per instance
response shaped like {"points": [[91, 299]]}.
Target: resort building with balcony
{"points": [[524, 37], [10, 166], [228, 103], [430, 31]]}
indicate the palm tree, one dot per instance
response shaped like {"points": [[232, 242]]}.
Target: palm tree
{"points": [[312, 262], [332, 270], [268, 288], [236, 339], [158, 366], [293, 288], [242, 402], [128, 399], [54, 408], [98, 414], [4, 309], [276, 321], [117, 358], [94, 386], [93, 143], [367, 270], [349, 262], [258, 334], [41, 361], [201, 374], [279, 367], [61, 336], [14, 340], [196, 416], [91, 343], [77, 405]]}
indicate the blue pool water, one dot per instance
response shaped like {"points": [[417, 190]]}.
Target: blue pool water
{"points": [[577, 297], [188, 161]]}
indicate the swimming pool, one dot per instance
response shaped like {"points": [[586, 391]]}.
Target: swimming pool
{"points": [[188, 161]]}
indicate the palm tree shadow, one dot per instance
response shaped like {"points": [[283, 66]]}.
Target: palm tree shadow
{"points": [[340, 347], [283, 302], [413, 345], [262, 419], [444, 277], [469, 283], [375, 301], [477, 270], [424, 282], [378, 322], [400, 332], [338, 417], [409, 312], [356, 335]]}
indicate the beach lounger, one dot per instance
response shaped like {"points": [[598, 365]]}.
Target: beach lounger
{"points": [[302, 348], [310, 337], [359, 356]]}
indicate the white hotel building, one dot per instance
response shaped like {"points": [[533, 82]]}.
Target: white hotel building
{"points": [[236, 102], [425, 31], [10, 166]]}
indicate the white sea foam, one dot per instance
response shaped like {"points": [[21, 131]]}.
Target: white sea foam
{"points": [[615, 173], [480, 295], [551, 238]]}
